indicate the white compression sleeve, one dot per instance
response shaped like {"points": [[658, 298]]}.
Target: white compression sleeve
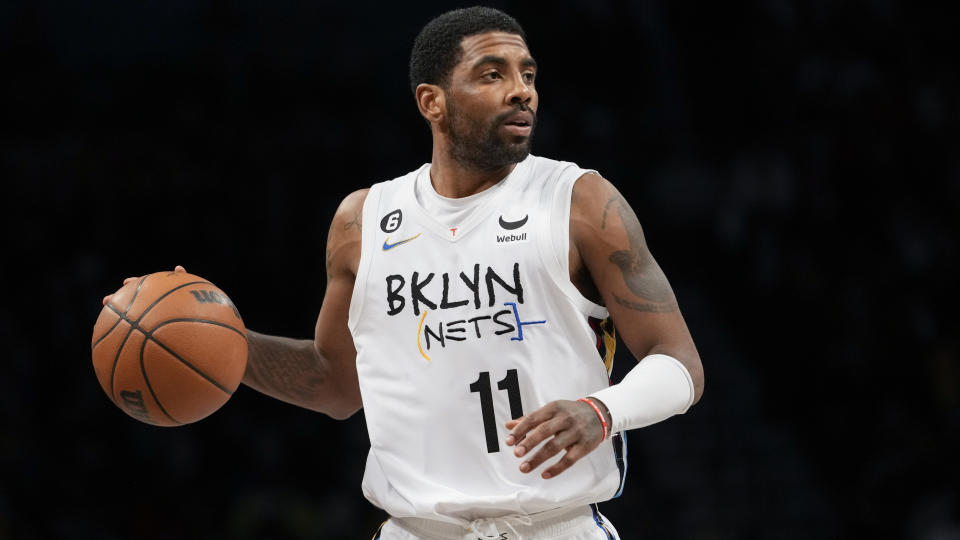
{"points": [[655, 389]]}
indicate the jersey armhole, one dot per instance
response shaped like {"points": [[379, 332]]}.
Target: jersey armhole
{"points": [[555, 249], [371, 208]]}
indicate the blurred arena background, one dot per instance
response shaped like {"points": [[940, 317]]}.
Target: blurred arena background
{"points": [[795, 166]]}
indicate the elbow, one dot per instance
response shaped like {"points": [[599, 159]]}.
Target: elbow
{"points": [[343, 406], [697, 378], [342, 412]]}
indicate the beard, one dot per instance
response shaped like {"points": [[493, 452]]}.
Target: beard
{"points": [[481, 145]]}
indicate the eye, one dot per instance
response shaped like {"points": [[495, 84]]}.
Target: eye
{"points": [[492, 75], [529, 77]]}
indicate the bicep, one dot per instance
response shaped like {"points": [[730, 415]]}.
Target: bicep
{"points": [[641, 302], [332, 336]]}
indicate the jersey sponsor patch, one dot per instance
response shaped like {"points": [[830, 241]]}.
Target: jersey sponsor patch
{"points": [[512, 238], [512, 230], [511, 225]]}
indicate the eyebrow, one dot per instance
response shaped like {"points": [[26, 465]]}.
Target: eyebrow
{"points": [[499, 60]]}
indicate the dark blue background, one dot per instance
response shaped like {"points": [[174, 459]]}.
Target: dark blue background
{"points": [[794, 164]]}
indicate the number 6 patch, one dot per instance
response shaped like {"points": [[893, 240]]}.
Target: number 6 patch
{"points": [[391, 221]]}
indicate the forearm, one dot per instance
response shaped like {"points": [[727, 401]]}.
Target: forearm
{"points": [[658, 387], [291, 370]]}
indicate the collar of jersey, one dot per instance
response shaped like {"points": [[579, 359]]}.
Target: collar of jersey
{"points": [[483, 210]]}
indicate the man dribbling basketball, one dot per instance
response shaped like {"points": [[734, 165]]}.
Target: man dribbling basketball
{"points": [[470, 310]]}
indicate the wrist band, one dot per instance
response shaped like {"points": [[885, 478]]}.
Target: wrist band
{"points": [[603, 421]]}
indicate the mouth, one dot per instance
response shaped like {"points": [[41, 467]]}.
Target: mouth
{"points": [[519, 123]]}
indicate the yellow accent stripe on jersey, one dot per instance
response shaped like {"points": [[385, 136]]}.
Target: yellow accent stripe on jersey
{"points": [[419, 328], [376, 535]]}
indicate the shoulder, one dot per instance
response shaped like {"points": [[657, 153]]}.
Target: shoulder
{"points": [[592, 197], [353, 202], [345, 234], [350, 212]]}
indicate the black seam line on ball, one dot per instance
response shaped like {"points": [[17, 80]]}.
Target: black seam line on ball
{"points": [[123, 316], [183, 361], [166, 294], [198, 320], [114, 309], [136, 325], [116, 359], [148, 336], [107, 333], [135, 293], [143, 371]]}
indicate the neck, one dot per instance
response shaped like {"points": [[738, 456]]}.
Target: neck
{"points": [[454, 179]]}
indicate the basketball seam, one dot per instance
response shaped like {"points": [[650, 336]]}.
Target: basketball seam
{"points": [[143, 370], [135, 325], [107, 333], [166, 294], [149, 336], [204, 321], [113, 369], [116, 360]]}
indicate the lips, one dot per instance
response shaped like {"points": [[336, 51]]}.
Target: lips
{"points": [[519, 123], [520, 119]]}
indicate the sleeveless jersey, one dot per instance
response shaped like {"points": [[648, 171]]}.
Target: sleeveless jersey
{"points": [[461, 328]]}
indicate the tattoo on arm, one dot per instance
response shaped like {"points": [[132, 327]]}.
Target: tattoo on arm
{"points": [[354, 222], [641, 273], [606, 208], [283, 367]]}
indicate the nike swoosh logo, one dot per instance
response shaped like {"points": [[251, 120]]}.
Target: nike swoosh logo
{"points": [[387, 245], [511, 225]]}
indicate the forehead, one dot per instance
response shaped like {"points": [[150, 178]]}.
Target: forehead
{"points": [[501, 44]]}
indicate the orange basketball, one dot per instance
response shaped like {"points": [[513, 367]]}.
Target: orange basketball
{"points": [[169, 348]]}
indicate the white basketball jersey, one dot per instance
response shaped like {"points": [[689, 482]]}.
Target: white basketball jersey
{"points": [[459, 328]]}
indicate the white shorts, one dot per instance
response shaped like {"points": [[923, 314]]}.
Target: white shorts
{"points": [[581, 523]]}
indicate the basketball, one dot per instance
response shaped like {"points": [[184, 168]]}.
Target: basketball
{"points": [[169, 348]]}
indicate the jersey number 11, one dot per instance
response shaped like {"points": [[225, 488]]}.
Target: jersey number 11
{"points": [[511, 384]]}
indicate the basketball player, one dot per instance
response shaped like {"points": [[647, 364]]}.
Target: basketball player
{"points": [[470, 309]]}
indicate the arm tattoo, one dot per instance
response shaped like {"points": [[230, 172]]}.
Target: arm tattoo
{"points": [[354, 222], [283, 367], [640, 271], [606, 208]]}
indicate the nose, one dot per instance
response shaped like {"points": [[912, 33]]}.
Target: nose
{"points": [[520, 91]]}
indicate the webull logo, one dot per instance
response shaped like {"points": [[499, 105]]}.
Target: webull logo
{"points": [[506, 238]]}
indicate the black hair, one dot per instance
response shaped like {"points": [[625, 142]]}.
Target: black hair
{"points": [[437, 48]]}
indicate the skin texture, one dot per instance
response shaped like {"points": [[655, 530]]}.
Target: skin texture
{"points": [[610, 262]]}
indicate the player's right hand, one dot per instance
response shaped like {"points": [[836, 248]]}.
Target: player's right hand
{"points": [[106, 299], [568, 426]]}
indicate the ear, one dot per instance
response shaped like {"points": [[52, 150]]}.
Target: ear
{"points": [[431, 100]]}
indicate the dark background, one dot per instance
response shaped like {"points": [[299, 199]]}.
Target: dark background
{"points": [[794, 164]]}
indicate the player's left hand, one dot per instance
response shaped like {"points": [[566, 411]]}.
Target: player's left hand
{"points": [[565, 425]]}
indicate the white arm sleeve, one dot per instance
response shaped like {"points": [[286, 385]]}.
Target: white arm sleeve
{"points": [[655, 389]]}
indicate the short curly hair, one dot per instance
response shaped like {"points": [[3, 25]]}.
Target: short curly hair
{"points": [[437, 48]]}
